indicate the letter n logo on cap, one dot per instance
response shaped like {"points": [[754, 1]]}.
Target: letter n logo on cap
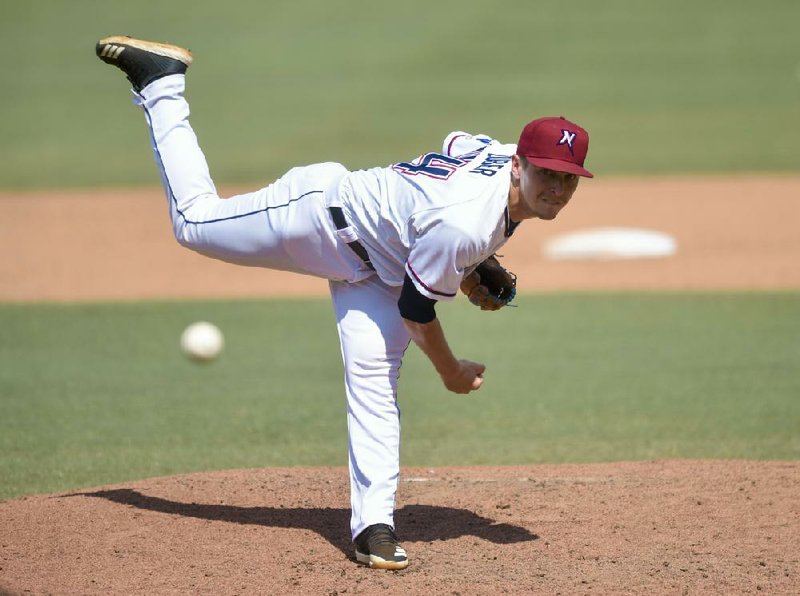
{"points": [[567, 138]]}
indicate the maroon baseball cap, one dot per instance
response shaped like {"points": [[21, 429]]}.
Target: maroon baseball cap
{"points": [[556, 144]]}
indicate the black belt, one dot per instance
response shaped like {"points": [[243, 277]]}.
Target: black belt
{"points": [[341, 223]]}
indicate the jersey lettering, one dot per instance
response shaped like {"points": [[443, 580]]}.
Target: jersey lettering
{"points": [[467, 157], [492, 164], [434, 165]]}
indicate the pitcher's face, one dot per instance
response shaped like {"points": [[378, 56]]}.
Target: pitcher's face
{"points": [[543, 192]]}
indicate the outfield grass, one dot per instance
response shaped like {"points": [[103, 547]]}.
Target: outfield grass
{"points": [[678, 86], [95, 394]]}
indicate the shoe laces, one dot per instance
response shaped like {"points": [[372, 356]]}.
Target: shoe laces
{"points": [[382, 534]]}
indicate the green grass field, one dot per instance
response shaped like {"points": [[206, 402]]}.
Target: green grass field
{"points": [[96, 393], [678, 86]]}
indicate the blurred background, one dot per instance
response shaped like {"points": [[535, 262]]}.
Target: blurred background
{"points": [[663, 86]]}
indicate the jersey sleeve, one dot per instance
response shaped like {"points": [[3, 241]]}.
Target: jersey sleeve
{"points": [[438, 259], [459, 142]]}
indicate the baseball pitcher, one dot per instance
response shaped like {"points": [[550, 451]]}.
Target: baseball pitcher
{"points": [[393, 241]]}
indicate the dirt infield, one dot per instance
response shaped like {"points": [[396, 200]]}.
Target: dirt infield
{"points": [[676, 527], [734, 232], [668, 527]]}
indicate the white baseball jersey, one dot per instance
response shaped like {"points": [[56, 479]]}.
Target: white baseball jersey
{"points": [[434, 218]]}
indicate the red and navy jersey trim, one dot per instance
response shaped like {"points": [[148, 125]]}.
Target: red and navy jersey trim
{"points": [[450, 144], [426, 286]]}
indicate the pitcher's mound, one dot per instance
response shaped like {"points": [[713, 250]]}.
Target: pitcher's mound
{"points": [[725, 527]]}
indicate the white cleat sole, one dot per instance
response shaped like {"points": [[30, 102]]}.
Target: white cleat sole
{"points": [[161, 49], [375, 562]]}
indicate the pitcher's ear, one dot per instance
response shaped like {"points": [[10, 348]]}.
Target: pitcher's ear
{"points": [[517, 164]]}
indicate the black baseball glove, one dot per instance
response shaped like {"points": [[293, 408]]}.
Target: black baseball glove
{"points": [[491, 286]]}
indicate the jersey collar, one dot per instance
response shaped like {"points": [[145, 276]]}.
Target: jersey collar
{"points": [[510, 224]]}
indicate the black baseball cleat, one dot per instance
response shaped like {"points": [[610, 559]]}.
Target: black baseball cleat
{"points": [[377, 547], [143, 61]]}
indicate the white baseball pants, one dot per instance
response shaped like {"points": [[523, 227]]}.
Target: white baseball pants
{"points": [[373, 340], [287, 226]]}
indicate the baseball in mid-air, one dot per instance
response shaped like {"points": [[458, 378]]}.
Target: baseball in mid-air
{"points": [[202, 341]]}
